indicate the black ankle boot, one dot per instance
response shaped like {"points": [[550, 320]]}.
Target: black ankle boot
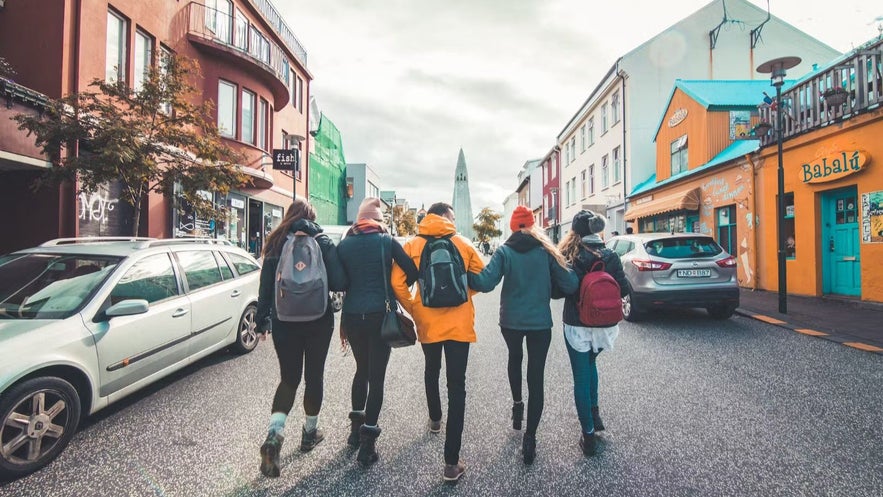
{"points": [[529, 448], [367, 453], [587, 444], [517, 415], [270, 454], [357, 419], [596, 419], [310, 439]]}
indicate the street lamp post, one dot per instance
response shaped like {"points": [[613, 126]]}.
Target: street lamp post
{"points": [[776, 69]]}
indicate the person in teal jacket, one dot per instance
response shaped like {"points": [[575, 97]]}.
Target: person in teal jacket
{"points": [[531, 265]]}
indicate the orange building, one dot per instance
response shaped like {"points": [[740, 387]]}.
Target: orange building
{"points": [[254, 72]]}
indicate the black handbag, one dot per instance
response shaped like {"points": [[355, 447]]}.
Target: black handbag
{"points": [[397, 329]]}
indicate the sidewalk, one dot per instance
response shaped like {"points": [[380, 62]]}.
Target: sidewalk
{"points": [[849, 322]]}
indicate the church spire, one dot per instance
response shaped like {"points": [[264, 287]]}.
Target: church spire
{"points": [[462, 203]]}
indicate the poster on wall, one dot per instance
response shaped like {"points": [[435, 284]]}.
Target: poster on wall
{"points": [[872, 217], [740, 125]]}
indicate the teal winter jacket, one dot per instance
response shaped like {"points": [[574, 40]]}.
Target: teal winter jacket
{"points": [[528, 273]]}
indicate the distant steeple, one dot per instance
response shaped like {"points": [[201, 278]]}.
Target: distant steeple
{"points": [[462, 202]]}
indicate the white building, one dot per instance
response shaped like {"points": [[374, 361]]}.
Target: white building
{"points": [[509, 205], [607, 146], [361, 182]]}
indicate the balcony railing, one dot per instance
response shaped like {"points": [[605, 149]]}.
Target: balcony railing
{"points": [[275, 19], [852, 85]]}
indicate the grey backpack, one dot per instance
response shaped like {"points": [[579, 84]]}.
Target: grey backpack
{"points": [[301, 280]]}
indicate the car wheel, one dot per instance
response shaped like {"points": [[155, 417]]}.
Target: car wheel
{"points": [[246, 334], [630, 311], [721, 311], [40, 416]]}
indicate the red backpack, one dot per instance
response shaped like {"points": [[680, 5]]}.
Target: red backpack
{"points": [[599, 304]]}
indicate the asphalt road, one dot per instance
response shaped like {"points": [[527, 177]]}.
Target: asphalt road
{"points": [[692, 406]]}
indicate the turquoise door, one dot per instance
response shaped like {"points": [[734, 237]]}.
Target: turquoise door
{"points": [[841, 264]]}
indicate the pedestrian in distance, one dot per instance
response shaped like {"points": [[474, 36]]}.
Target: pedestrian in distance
{"points": [[583, 247], [365, 253], [529, 266], [301, 346], [443, 311]]}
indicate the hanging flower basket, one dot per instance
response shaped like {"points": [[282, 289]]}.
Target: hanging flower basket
{"points": [[835, 96], [761, 128]]}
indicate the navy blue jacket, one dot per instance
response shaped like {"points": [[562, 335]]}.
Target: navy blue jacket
{"points": [[530, 273], [582, 265], [360, 257]]}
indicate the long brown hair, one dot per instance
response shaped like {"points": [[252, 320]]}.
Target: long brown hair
{"points": [[539, 235], [570, 245], [299, 209]]}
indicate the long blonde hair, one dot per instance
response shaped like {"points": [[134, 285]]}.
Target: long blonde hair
{"points": [[547, 244], [570, 246], [299, 209]]}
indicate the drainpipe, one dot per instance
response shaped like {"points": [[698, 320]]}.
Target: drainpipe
{"points": [[754, 219], [622, 76], [67, 220]]}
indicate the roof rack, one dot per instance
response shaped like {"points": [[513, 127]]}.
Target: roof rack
{"points": [[154, 242], [94, 239]]}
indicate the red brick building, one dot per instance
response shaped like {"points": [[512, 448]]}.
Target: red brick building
{"points": [[254, 72]]}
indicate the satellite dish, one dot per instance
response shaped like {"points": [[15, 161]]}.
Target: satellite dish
{"points": [[315, 116]]}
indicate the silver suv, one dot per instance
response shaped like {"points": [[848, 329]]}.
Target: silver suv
{"points": [[85, 322], [676, 270]]}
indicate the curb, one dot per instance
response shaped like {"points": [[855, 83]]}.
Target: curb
{"points": [[809, 332]]}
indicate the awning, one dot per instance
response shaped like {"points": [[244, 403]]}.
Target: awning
{"points": [[682, 201]]}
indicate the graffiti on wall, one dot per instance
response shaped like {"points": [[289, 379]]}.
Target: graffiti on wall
{"points": [[720, 191], [102, 213], [872, 217], [96, 206]]}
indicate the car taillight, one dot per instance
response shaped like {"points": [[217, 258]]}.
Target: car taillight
{"points": [[648, 265], [728, 262]]}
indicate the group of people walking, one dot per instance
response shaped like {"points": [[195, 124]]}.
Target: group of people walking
{"points": [[374, 269]]}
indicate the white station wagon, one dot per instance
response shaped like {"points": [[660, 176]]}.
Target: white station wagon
{"points": [[85, 322]]}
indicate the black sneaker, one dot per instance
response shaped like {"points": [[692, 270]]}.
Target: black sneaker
{"points": [[453, 472], [270, 455], [596, 420], [587, 444], [310, 439], [529, 448], [517, 415]]}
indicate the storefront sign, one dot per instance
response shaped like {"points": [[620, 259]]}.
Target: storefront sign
{"points": [[872, 217], [740, 125], [644, 200], [237, 203], [285, 159], [678, 117], [833, 167]]}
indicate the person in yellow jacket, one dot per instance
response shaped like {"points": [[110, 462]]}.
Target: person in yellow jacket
{"points": [[448, 329]]}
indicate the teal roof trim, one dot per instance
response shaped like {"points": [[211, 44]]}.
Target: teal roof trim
{"points": [[737, 149]]}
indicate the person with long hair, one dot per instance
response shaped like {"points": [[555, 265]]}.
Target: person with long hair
{"points": [[367, 254], [583, 247], [530, 266], [301, 347]]}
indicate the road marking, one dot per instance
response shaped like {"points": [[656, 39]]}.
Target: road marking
{"points": [[863, 346], [807, 331], [767, 319]]}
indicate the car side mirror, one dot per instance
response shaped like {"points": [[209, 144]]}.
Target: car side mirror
{"points": [[128, 307]]}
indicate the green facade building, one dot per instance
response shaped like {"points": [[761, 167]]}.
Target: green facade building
{"points": [[327, 175]]}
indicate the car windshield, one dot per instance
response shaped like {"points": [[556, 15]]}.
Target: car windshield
{"points": [[683, 247], [50, 286]]}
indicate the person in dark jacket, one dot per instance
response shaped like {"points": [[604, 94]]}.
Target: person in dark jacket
{"points": [[301, 347], [582, 247], [367, 254], [530, 266]]}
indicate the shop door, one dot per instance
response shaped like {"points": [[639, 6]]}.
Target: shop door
{"points": [[841, 264], [255, 226]]}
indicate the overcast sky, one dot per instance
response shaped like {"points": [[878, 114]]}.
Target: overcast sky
{"points": [[410, 82]]}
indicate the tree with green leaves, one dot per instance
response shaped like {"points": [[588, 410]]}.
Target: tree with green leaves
{"points": [[406, 221], [150, 139], [486, 227]]}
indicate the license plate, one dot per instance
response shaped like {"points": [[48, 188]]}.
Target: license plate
{"points": [[694, 273]]}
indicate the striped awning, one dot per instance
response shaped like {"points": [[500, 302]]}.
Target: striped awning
{"points": [[682, 201]]}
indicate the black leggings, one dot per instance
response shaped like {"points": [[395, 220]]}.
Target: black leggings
{"points": [[537, 348], [301, 349], [456, 359], [372, 356]]}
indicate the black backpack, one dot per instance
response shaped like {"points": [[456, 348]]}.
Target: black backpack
{"points": [[442, 276]]}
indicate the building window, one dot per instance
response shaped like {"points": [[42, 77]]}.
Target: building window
{"points": [[614, 107], [164, 56], [259, 47], [592, 179], [679, 155], [553, 166], [246, 133], [726, 228], [218, 18], [143, 58], [227, 109], [573, 149], [582, 184], [582, 134], [240, 31], [591, 131], [573, 190], [605, 178], [117, 48], [604, 118], [300, 95], [263, 124], [567, 193], [617, 175]]}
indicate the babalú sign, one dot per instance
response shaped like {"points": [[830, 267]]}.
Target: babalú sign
{"points": [[833, 167]]}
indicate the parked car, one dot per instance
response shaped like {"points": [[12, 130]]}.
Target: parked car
{"points": [[86, 322], [336, 232], [676, 270]]}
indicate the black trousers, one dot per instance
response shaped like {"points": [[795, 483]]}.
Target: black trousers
{"points": [[301, 349], [372, 356], [537, 349], [456, 358]]}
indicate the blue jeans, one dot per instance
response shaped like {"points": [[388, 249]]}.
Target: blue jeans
{"points": [[585, 385]]}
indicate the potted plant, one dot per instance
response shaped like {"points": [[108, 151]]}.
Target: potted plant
{"points": [[761, 128], [835, 96]]}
